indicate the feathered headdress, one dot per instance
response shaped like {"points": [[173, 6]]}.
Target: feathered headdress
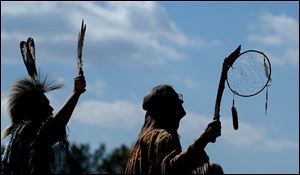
{"points": [[26, 87]]}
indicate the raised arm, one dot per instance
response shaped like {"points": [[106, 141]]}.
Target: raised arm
{"points": [[64, 114], [186, 161]]}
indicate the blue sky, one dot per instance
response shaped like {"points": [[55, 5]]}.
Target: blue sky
{"points": [[131, 47]]}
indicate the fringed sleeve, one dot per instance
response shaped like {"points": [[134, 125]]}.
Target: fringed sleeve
{"points": [[41, 154], [159, 152], [183, 162]]}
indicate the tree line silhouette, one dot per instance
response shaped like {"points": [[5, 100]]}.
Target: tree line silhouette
{"points": [[84, 160]]}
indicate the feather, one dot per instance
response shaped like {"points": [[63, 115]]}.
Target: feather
{"points": [[234, 118], [80, 46], [28, 54], [267, 70], [31, 47]]}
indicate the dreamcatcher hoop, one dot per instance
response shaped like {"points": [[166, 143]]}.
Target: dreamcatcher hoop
{"points": [[247, 74], [247, 69]]}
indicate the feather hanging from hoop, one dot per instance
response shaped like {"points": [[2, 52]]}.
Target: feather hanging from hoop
{"points": [[249, 75]]}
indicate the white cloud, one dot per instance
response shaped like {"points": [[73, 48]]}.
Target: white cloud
{"points": [[25, 8], [277, 30], [286, 56], [188, 82], [116, 114], [117, 32], [3, 104], [246, 136], [280, 35], [5, 119], [97, 87], [292, 55]]}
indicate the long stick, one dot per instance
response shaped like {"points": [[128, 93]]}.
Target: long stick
{"points": [[220, 91], [226, 65]]}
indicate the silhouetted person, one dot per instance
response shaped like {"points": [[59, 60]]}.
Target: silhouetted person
{"points": [[158, 149], [215, 169], [34, 128]]}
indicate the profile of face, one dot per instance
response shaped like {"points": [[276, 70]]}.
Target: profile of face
{"points": [[38, 106], [165, 105], [43, 105], [176, 111]]}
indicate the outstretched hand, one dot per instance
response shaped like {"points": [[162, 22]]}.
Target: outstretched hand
{"points": [[212, 131], [79, 84]]}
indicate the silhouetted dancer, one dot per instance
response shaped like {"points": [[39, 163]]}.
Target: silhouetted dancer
{"points": [[158, 149], [34, 128]]}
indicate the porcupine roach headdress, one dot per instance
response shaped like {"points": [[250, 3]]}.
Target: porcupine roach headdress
{"points": [[26, 87]]}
